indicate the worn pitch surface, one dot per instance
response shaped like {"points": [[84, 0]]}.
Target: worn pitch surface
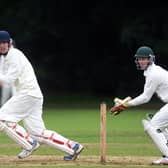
{"points": [[40, 160]]}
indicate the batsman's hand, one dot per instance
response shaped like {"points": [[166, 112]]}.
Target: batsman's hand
{"points": [[119, 105]]}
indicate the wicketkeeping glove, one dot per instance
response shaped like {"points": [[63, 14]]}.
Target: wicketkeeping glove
{"points": [[119, 105]]}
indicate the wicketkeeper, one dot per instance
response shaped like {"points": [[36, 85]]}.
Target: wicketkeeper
{"points": [[156, 81], [26, 106]]}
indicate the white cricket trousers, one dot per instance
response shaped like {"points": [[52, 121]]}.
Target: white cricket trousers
{"points": [[160, 119], [27, 109]]}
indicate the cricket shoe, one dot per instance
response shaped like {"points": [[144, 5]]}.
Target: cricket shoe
{"points": [[162, 161], [149, 116], [77, 150], [25, 153]]}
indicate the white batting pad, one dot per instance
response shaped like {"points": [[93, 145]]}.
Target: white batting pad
{"points": [[14, 136], [50, 138], [157, 137]]}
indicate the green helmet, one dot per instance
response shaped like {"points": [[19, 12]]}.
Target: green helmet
{"points": [[144, 52]]}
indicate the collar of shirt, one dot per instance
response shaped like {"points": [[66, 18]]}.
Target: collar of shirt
{"points": [[150, 67]]}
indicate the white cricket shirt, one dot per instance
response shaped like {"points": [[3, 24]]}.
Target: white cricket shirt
{"points": [[156, 81], [18, 71]]}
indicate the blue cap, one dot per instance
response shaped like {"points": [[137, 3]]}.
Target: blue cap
{"points": [[4, 36]]}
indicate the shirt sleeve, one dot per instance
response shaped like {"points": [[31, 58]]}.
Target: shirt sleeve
{"points": [[12, 74], [149, 89]]}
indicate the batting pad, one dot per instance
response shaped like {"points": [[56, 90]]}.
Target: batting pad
{"points": [[52, 139], [157, 136], [14, 136]]}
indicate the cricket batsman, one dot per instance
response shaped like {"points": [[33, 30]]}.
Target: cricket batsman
{"points": [[156, 81], [26, 105]]}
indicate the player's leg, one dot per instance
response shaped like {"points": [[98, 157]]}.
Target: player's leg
{"points": [[57, 141], [157, 136], [13, 111], [156, 129], [19, 135], [149, 117], [53, 139], [35, 126], [16, 133], [26, 136]]}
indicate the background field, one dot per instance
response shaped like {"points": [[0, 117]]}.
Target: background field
{"points": [[127, 144]]}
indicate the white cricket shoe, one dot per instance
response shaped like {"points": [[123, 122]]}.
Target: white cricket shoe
{"points": [[162, 161], [25, 153], [77, 150]]}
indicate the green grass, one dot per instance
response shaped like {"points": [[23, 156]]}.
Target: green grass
{"points": [[125, 135]]}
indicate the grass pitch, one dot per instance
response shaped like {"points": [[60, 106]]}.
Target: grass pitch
{"points": [[127, 144]]}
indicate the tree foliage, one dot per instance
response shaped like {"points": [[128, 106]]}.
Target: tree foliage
{"points": [[85, 46]]}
